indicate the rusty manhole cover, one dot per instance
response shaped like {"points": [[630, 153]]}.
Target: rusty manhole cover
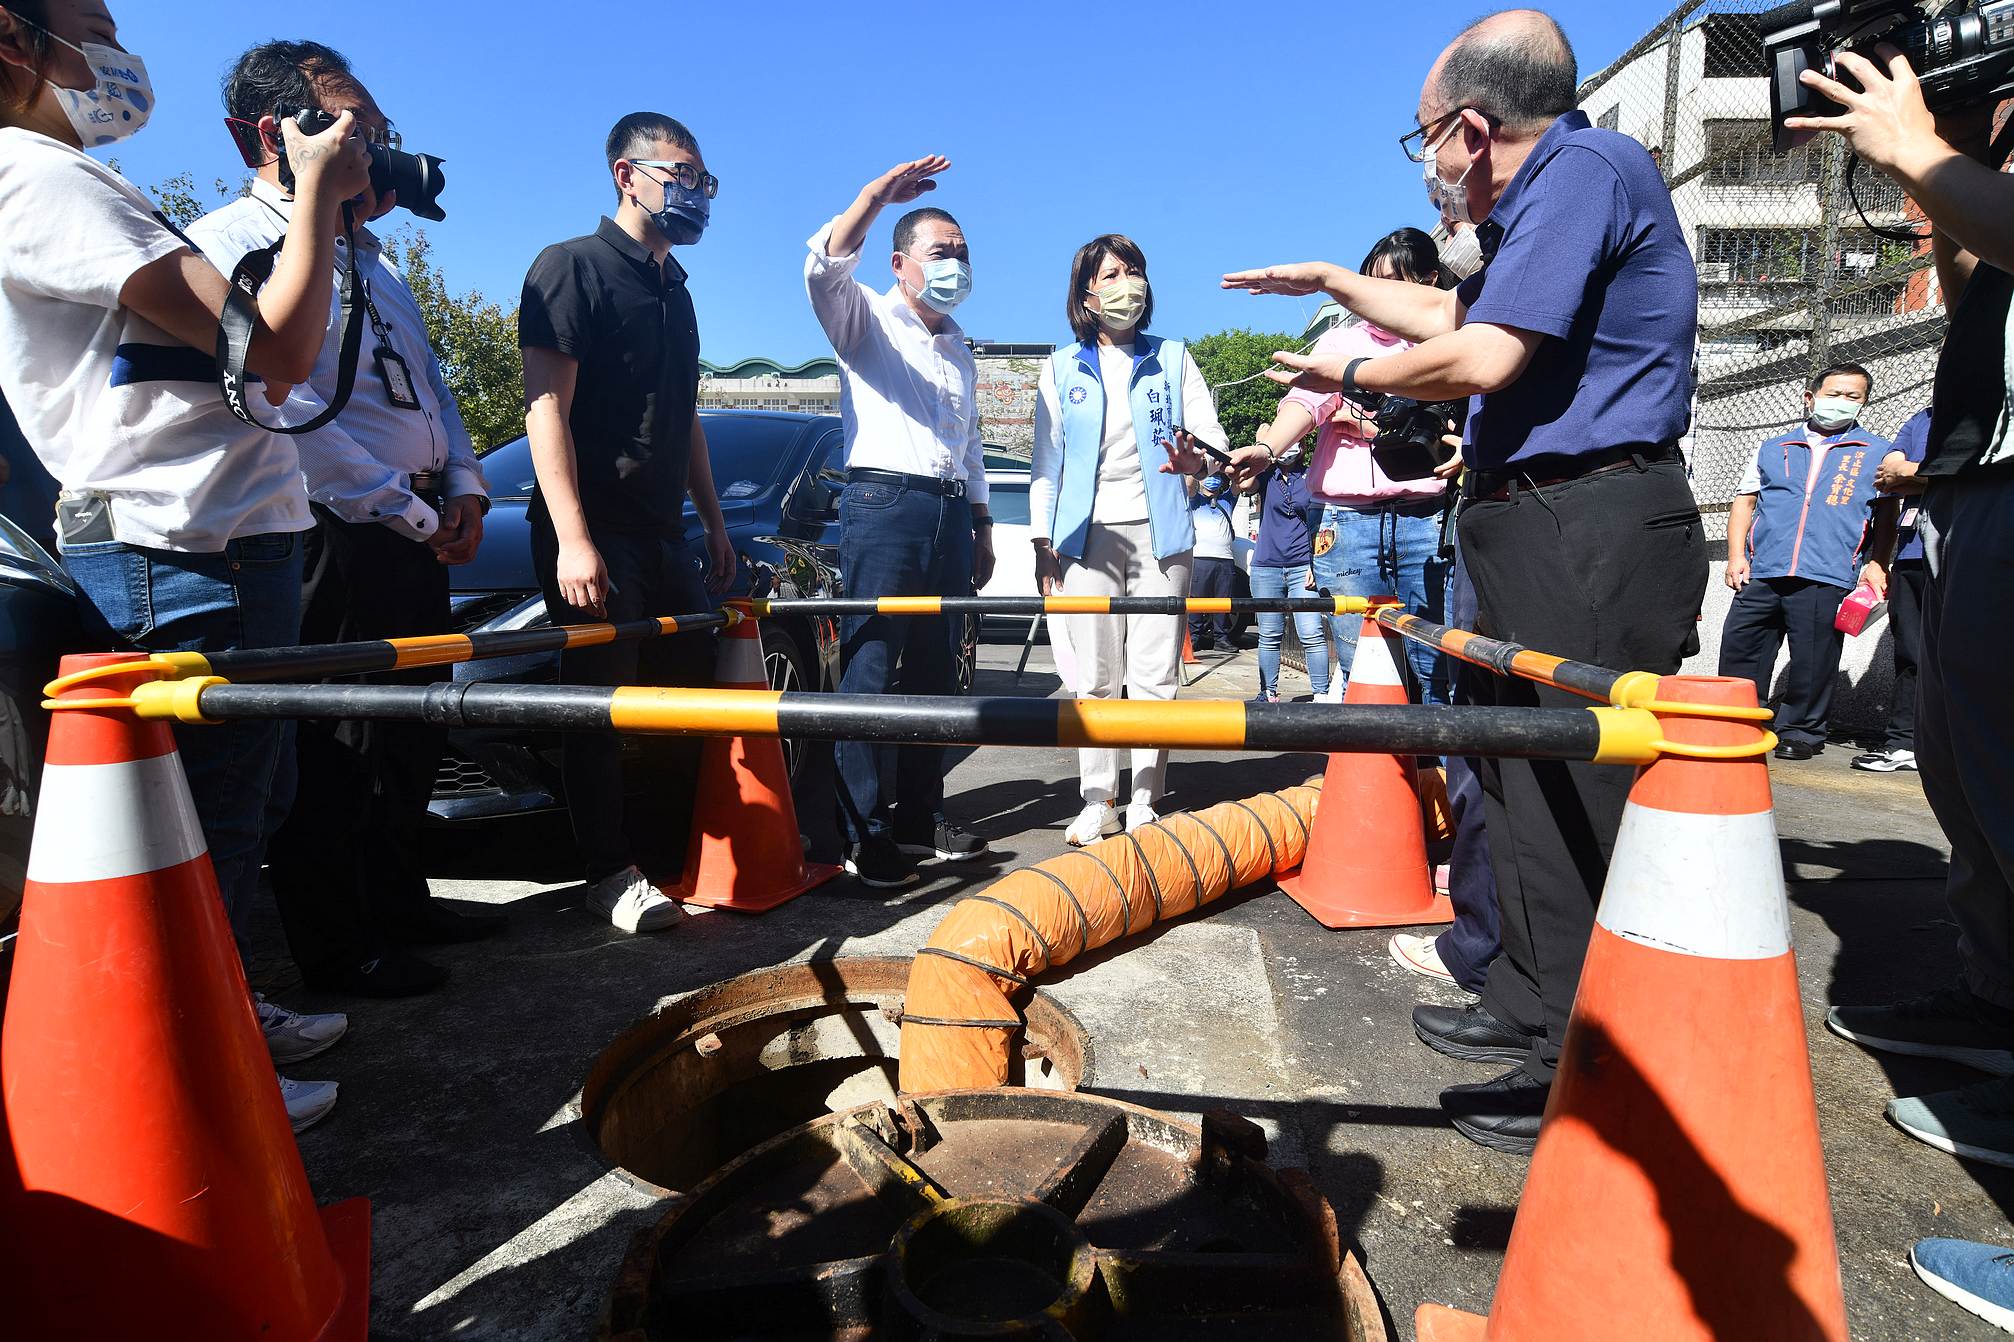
{"points": [[997, 1214], [711, 1074]]}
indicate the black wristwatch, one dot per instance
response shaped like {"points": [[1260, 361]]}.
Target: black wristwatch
{"points": [[1350, 387]]}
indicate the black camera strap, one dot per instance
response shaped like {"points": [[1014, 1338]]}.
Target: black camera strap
{"points": [[241, 317]]}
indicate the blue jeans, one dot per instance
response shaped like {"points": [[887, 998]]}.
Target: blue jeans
{"points": [[249, 596], [1390, 549], [1269, 581], [896, 541]]}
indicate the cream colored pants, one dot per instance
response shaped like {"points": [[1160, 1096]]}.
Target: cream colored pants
{"points": [[1139, 654]]}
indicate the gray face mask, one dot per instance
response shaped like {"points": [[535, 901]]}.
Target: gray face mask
{"points": [[1462, 254]]}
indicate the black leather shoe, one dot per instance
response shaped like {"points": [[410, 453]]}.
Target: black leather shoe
{"points": [[1788, 749], [393, 974], [435, 924], [1502, 1114], [1469, 1033]]}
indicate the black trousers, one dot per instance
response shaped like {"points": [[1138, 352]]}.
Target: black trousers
{"points": [[650, 574], [1608, 568], [347, 864], [1906, 583], [1211, 577], [1763, 612]]}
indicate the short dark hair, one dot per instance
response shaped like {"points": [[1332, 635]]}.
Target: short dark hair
{"points": [[1411, 253], [1521, 74], [35, 15], [273, 77], [906, 226], [1850, 369], [638, 131], [1084, 268]]}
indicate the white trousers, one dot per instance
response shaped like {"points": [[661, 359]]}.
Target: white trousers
{"points": [[1139, 654]]}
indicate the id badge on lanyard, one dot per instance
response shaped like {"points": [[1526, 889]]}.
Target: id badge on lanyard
{"points": [[393, 370]]}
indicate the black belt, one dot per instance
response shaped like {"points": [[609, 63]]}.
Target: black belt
{"points": [[928, 484], [1500, 485]]}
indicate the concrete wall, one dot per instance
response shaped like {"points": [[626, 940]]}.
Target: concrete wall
{"points": [[1866, 666], [1007, 401]]}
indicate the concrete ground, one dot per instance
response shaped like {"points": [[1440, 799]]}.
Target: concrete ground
{"points": [[495, 1220]]}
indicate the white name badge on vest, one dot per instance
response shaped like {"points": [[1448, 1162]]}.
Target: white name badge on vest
{"points": [[398, 379]]}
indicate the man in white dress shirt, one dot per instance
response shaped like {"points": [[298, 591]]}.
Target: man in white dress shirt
{"points": [[913, 518]]}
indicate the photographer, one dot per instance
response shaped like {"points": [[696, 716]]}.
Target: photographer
{"points": [[397, 497], [1579, 528], [1949, 166], [179, 521]]}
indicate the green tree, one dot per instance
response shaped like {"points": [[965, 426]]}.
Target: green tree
{"points": [[476, 340], [180, 202], [1229, 360]]}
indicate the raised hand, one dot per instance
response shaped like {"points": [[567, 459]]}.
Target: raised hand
{"points": [[336, 161], [1308, 373], [906, 181], [1303, 277]]}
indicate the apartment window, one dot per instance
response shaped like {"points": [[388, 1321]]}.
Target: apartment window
{"points": [[1753, 255], [1739, 153]]}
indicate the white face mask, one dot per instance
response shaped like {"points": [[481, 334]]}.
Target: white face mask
{"points": [[1449, 198], [1462, 256], [1121, 303], [1833, 414], [119, 101], [947, 282]]}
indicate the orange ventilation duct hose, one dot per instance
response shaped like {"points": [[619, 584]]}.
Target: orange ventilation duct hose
{"points": [[959, 1016]]}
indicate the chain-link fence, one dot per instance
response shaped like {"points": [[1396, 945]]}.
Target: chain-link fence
{"points": [[1793, 275]]}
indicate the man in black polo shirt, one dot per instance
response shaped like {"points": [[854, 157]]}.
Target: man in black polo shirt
{"points": [[611, 380], [1580, 531], [1951, 167]]}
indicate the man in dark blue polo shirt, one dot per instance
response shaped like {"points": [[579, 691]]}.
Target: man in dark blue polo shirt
{"points": [[1579, 531], [611, 362]]}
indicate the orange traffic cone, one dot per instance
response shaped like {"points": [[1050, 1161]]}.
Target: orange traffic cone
{"points": [[1367, 860], [745, 852], [1189, 657], [1678, 1189], [156, 1188]]}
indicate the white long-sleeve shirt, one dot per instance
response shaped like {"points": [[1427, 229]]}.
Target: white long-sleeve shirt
{"points": [[357, 465], [909, 399], [1122, 486]]}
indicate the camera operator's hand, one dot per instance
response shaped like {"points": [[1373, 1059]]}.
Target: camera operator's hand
{"points": [[583, 577], [1885, 120], [1452, 467], [1736, 576], [332, 166], [1300, 278]]}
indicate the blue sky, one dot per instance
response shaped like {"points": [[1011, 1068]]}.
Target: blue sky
{"points": [[1218, 136]]}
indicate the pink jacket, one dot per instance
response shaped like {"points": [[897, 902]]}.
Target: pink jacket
{"points": [[1343, 470]]}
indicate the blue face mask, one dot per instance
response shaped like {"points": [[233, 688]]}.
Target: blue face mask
{"points": [[1214, 485], [684, 215], [946, 284]]}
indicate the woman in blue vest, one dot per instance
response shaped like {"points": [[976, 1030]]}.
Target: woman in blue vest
{"points": [[1107, 520]]}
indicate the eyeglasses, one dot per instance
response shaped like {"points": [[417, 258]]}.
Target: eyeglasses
{"points": [[384, 137], [1415, 142], [687, 176]]}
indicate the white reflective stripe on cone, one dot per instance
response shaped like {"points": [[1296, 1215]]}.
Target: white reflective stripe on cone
{"points": [[1373, 664], [1707, 885], [100, 822]]}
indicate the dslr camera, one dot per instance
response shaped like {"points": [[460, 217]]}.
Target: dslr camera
{"points": [[416, 177], [1963, 55], [1408, 443]]}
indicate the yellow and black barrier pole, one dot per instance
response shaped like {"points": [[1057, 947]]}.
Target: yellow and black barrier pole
{"points": [[1603, 735], [1024, 607]]}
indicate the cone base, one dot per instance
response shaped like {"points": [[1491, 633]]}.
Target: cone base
{"points": [[1438, 1323], [1437, 910], [815, 875], [348, 1226]]}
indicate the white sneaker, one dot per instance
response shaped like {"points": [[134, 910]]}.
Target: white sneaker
{"points": [[1420, 955], [308, 1102], [632, 903], [1093, 823], [292, 1036], [1139, 815], [1333, 694]]}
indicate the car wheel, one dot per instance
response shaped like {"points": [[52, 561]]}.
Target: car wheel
{"points": [[787, 671], [968, 653]]}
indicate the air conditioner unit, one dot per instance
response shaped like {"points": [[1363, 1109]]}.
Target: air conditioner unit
{"points": [[1716, 272]]}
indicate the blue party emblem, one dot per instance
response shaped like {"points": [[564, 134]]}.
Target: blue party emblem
{"points": [[1076, 396]]}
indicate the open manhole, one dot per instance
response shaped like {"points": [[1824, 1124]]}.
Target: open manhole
{"points": [[704, 1078], [997, 1214]]}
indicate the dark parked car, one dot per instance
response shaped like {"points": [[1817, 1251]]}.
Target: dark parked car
{"points": [[778, 476]]}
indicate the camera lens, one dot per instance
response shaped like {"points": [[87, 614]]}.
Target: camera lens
{"points": [[416, 177]]}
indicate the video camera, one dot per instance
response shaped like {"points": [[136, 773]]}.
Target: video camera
{"points": [[416, 177], [1962, 56], [1408, 443]]}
